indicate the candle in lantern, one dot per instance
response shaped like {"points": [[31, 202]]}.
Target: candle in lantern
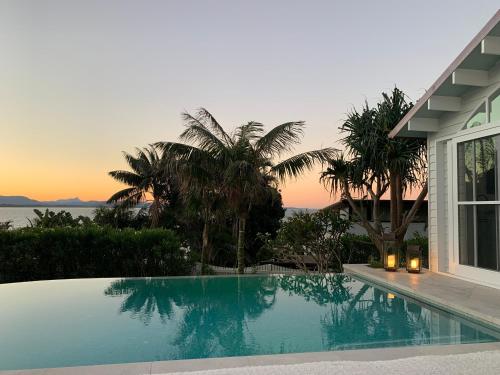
{"points": [[391, 261], [414, 263]]}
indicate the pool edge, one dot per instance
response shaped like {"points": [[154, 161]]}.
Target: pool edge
{"points": [[162, 367], [356, 270]]}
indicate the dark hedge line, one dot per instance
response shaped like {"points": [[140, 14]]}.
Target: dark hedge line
{"points": [[41, 254], [360, 249]]}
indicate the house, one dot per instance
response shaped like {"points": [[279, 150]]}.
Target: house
{"points": [[460, 118], [418, 226]]}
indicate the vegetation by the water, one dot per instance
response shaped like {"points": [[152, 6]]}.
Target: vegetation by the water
{"points": [[317, 237], [90, 251], [217, 194]]}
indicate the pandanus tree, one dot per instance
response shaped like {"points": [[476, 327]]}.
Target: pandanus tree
{"points": [[374, 164], [148, 177], [243, 163]]}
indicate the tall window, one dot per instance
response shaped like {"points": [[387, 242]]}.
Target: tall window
{"points": [[478, 198], [495, 107]]}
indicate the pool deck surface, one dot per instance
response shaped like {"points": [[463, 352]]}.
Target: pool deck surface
{"points": [[475, 302], [252, 363], [472, 301]]}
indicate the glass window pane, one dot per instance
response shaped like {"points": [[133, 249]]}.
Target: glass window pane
{"points": [[465, 171], [495, 107], [486, 156], [487, 236], [466, 234], [479, 118]]}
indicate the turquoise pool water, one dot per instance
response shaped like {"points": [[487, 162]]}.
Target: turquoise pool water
{"points": [[99, 321]]}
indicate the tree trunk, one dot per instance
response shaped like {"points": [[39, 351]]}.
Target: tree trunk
{"points": [[204, 247], [399, 210], [154, 212], [394, 202], [241, 244]]}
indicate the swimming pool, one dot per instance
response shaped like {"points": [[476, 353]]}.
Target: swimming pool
{"points": [[101, 321]]}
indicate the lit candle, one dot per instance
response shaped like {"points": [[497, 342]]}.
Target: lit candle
{"points": [[391, 261], [414, 263]]}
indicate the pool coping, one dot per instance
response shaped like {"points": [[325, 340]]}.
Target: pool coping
{"points": [[389, 281], [165, 367]]}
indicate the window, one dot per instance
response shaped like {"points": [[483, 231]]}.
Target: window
{"points": [[478, 202], [495, 107], [478, 118]]}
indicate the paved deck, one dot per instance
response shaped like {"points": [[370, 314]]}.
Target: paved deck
{"points": [[476, 302], [254, 362]]}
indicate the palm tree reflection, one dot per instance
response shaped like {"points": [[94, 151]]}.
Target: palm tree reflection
{"points": [[213, 312], [145, 297], [360, 315]]}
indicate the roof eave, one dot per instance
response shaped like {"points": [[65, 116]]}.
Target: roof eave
{"points": [[442, 78]]}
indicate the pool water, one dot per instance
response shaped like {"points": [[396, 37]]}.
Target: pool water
{"points": [[100, 321]]}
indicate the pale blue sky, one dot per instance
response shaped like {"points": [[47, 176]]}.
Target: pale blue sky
{"points": [[83, 80]]}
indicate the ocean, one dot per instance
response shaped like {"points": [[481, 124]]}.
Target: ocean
{"points": [[20, 215]]}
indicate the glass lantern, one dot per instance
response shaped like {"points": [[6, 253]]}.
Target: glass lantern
{"points": [[413, 259], [391, 253]]}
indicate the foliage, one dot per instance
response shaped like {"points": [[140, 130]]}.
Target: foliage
{"points": [[148, 175], [316, 235], [120, 217], [239, 166], [51, 219], [264, 217], [374, 164], [91, 251], [358, 248], [6, 225]]}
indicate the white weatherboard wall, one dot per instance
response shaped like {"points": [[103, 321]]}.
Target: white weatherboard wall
{"points": [[443, 241]]}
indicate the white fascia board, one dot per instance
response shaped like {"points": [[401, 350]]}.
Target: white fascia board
{"points": [[423, 124], [490, 45], [470, 77], [444, 103]]}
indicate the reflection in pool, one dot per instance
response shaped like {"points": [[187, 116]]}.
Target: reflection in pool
{"points": [[97, 321]]}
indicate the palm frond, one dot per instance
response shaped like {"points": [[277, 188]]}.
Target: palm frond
{"points": [[281, 138], [127, 197], [219, 130], [126, 177], [296, 165], [203, 138], [249, 131]]}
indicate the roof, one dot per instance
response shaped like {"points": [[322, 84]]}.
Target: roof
{"points": [[480, 55]]}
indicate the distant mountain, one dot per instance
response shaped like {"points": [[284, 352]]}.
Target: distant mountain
{"points": [[13, 201]]}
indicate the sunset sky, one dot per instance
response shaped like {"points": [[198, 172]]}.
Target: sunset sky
{"points": [[82, 81]]}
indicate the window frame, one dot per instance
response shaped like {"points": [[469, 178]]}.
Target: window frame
{"points": [[470, 271]]}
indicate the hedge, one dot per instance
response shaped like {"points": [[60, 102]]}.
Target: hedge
{"points": [[55, 253]]}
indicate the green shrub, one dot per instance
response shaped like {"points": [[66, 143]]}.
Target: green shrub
{"points": [[54, 253], [359, 248]]}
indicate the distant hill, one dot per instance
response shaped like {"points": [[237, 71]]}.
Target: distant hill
{"points": [[20, 201]]}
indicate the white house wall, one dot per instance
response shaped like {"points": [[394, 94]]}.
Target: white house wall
{"points": [[450, 124]]}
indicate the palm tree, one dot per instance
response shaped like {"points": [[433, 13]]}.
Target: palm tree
{"points": [[148, 176], [243, 161], [374, 164]]}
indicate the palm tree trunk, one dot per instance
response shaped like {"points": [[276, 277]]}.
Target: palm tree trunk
{"points": [[204, 247], [241, 244], [155, 212]]}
